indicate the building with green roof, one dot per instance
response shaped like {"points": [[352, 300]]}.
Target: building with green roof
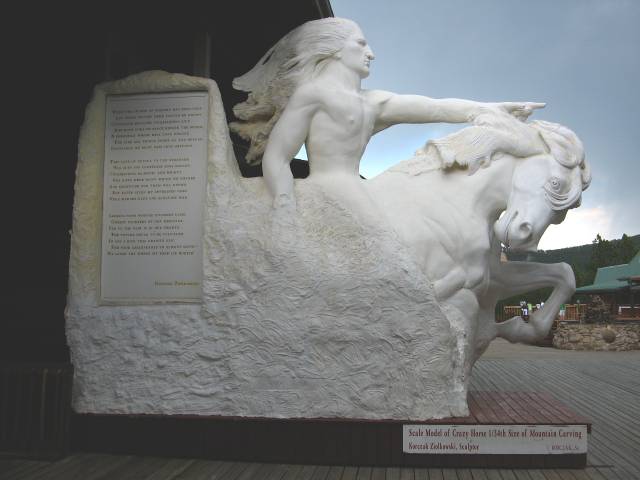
{"points": [[618, 285]]}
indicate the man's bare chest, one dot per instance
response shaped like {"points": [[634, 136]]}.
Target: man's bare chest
{"points": [[349, 113]]}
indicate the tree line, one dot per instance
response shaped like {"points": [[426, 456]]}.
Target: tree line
{"points": [[584, 259]]}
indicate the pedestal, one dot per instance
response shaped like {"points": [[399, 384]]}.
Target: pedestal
{"points": [[544, 434]]}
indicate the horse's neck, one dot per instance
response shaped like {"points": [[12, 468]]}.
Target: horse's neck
{"points": [[452, 198], [486, 192]]}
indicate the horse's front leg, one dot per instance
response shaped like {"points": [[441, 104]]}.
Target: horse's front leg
{"points": [[512, 278]]}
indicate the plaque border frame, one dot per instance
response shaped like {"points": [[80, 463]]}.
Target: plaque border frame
{"points": [[84, 287], [133, 301]]}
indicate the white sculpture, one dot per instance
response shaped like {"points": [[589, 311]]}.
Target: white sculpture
{"points": [[349, 298], [307, 89]]}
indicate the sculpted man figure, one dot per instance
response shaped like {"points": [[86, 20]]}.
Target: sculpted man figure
{"points": [[307, 90], [446, 206]]}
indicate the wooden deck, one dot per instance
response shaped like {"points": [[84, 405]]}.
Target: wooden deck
{"points": [[602, 386]]}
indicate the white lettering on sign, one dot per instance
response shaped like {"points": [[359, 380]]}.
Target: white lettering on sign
{"points": [[495, 439]]}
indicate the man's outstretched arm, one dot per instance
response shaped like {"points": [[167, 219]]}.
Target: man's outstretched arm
{"points": [[394, 108]]}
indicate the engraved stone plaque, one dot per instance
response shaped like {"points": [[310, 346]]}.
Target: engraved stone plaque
{"points": [[153, 197]]}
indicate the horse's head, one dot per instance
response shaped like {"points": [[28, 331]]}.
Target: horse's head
{"points": [[544, 187]]}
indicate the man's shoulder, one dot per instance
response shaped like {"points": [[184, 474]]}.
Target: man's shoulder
{"points": [[378, 96], [309, 92], [378, 99]]}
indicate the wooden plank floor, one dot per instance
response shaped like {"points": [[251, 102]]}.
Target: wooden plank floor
{"points": [[602, 386]]}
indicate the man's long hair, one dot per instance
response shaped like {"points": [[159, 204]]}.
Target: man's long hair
{"points": [[295, 59]]}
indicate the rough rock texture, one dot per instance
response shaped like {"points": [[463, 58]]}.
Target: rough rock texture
{"points": [[613, 337], [312, 314]]}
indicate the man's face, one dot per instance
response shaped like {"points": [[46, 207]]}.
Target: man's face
{"points": [[356, 54]]}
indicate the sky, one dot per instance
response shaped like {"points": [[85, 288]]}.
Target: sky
{"points": [[581, 57]]}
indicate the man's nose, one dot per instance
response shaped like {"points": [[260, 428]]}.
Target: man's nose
{"points": [[370, 55]]}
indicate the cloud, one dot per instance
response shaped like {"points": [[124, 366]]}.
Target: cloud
{"points": [[579, 228]]}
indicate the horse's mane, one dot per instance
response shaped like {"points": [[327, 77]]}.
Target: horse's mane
{"points": [[477, 146]]}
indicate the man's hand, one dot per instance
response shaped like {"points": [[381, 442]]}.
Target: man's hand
{"points": [[520, 110]]}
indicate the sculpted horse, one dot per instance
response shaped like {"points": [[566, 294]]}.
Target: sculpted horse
{"points": [[458, 199], [456, 203], [432, 225]]}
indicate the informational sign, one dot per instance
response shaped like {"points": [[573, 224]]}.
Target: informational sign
{"points": [[154, 190], [494, 439]]}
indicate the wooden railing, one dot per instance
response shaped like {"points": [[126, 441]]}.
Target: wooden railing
{"points": [[625, 312], [574, 312], [35, 410], [512, 311]]}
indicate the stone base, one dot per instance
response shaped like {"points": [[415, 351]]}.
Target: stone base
{"points": [[331, 441], [597, 337]]}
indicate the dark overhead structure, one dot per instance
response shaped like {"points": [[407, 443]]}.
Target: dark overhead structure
{"points": [[56, 64], [55, 60], [221, 44]]}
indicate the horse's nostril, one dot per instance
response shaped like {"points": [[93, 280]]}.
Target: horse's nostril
{"points": [[526, 228]]}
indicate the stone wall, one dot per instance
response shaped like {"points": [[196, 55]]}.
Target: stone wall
{"points": [[599, 337]]}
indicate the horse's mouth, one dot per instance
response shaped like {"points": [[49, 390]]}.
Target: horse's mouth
{"points": [[503, 232], [528, 247]]}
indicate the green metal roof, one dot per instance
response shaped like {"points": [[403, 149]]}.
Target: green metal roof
{"points": [[608, 278]]}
